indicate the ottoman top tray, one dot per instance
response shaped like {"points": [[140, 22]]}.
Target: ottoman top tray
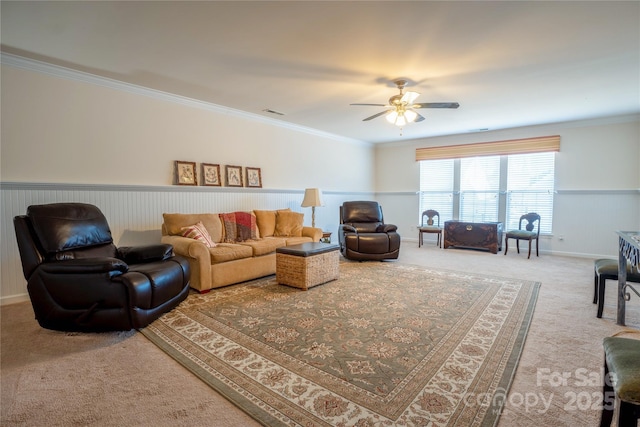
{"points": [[307, 249]]}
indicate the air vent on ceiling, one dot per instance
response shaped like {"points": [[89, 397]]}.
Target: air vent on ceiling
{"points": [[270, 111]]}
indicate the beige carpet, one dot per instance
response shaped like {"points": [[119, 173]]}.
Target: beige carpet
{"points": [[57, 379]]}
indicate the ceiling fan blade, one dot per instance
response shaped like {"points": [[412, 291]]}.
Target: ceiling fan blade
{"points": [[374, 116], [419, 118], [436, 105], [374, 105], [409, 97]]}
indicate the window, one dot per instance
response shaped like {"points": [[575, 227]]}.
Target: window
{"points": [[490, 188], [436, 188], [479, 188], [530, 188]]}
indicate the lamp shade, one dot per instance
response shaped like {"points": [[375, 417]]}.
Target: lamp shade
{"points": [[312, 198]]}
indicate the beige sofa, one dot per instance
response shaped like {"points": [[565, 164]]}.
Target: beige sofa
{"points": [[240, 251]]}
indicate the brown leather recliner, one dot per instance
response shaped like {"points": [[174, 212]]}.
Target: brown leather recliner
{"points": [[363, 235], [79, 281]]}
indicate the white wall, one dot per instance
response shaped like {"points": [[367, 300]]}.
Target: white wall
{"points": [[60, 130], [67, 136], [70, 137], [597, 181]]}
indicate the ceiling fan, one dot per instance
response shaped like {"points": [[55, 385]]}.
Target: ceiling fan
{"points": [[400, 109]]}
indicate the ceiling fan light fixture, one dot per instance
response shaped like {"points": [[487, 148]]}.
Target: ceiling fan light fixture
{"points": [[410, 115], [409, 97], [401, 118], [400, 109]]}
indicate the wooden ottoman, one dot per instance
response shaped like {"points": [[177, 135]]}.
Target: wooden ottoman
{"points": [[306, 265]]}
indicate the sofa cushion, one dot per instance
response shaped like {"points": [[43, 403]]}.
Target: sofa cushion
{"points": [[239, 226], [264, 246], [288, 224], [225, 252], [198, 232], [266, 221], [173, 222]]}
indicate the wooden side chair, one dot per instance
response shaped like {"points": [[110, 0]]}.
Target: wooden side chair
{"points": [[431, 226], [530, 232], [607, 269]]}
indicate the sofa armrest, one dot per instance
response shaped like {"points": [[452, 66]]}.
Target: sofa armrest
{"points": [[313, 232], [199, 259]]}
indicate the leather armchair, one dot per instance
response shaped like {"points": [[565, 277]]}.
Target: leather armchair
{"points": [[363, 235], [79, 281]]}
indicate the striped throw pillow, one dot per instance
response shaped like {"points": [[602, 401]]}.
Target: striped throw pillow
{"points": [[198, 232]]}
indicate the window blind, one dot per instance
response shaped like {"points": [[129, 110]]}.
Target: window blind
{"points": [[530, 188], [479, 189], [436, 188]]}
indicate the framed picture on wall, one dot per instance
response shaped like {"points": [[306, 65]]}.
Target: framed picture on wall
{"points": [[185, 173], [234, 176], [211, 175], [254, 178]]}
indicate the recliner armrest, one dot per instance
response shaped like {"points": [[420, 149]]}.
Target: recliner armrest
{"points": [[86, 266], [386, 228], [348, 228], [143, 254]]}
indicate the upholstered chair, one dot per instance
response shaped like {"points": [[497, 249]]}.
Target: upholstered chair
{"points": [[607, 269], [78, 280], [363, 235], [621, 381]]}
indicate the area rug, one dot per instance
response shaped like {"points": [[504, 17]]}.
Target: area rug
{"points": [[386, 344]]}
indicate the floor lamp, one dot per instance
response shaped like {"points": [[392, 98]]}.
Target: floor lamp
{"points": [[312, 198]]}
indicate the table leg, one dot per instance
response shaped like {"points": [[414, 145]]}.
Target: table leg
{"points": [[622, 281]]}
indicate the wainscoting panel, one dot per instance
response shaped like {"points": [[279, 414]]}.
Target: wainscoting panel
{"points": [[135, 213]]}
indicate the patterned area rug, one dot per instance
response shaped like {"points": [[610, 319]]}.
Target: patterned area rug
{"points": [[386, 344]]}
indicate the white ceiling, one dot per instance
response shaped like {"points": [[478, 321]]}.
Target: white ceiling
{"points": [[508, 64]]}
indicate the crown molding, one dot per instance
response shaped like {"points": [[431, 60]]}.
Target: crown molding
{"points": [[83, 77]]}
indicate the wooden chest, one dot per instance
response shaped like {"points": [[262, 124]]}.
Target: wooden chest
{"points": [[480, 235]]}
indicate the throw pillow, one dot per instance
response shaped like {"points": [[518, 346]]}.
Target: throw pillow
{"points": [[174, 222], [288, 224], [198, 232], [239, 226], [267, 221]]}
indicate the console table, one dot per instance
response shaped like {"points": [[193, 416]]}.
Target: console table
{"points": [[478, 235], [629, 250]]}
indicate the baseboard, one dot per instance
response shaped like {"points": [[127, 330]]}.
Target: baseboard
{"points": [[14, 299]]}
